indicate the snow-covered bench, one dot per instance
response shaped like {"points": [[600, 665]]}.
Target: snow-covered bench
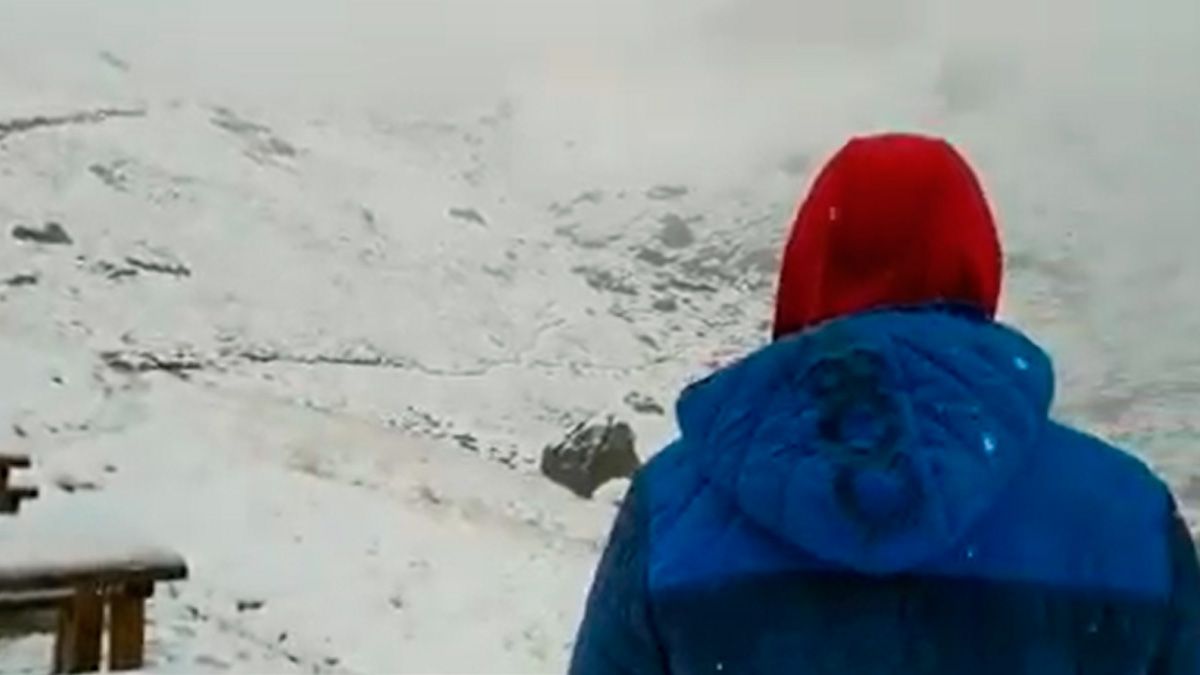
{"points": [[87, 583], [92, 579]]}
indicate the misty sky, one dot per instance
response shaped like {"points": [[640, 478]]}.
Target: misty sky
{"points": [[1083, 115], [673, 83]]}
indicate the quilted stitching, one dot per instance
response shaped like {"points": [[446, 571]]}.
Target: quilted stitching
{"points": [[874, 440]]}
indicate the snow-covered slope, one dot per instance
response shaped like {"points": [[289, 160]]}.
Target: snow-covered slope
{"points": [[317, 542], [337, 271]]}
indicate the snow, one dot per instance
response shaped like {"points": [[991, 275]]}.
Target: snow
{"points": [[48, 549], [363, 544], [345, 268]]}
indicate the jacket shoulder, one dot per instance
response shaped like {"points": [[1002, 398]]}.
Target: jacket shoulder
{"points": [[1082, 515], [1111, 476], [667, 483]]}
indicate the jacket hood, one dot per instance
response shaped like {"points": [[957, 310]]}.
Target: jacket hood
{"points": [[875, 441], [893, 219]]}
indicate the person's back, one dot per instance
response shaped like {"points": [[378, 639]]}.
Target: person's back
{"points": [[882, 490]]}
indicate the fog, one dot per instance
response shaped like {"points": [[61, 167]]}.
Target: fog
{"points": [[1084, 116], [676, 84], [384, 241]]}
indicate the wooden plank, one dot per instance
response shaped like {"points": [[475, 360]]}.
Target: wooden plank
{"points": [[80, 628], [23, 491], [7, 464], [15, 461], [11, 498], [43, 599], [127, 627]]}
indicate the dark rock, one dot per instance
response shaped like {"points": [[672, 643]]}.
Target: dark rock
{"points": [[263, 144], [21, 280], [52, 234], [498, 272], [622, 313], [647, 340], [174, 269], [112, 176], [27, 124], [590, 456], [643, 404], [666, 192], [229, 121], [468, 215], [71, 485], [605, 280], [508, 458], [571, 232], [684, 285], [19, 431], [279, 147], [177, 364], [112, 60], [653, 256], [250, 605], [667, 304], [712, 263], [113, 272], [467, 442], [677, 231], [589, 197]]}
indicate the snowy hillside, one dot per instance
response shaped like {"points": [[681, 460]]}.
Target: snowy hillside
{"points": [[303, 288]]}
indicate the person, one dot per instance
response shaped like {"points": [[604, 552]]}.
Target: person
{"points": [[881, 489]]}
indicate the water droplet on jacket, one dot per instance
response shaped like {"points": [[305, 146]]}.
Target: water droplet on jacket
{"points": [[970, 551], [1021, 363], [989, 444], [720, 666]]}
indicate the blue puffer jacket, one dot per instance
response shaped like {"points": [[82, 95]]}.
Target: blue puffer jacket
{"points": [[887, 494]]}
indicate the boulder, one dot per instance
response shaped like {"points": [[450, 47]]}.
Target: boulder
{"points": [[51, 234], [591, 455]]}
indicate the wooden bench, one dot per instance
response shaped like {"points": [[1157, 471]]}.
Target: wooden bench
{"points": [[91, 582], [12, 496], [106, 587]]}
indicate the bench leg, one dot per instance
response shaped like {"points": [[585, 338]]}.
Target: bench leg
{"points": [[127, 629], [80, 625]]}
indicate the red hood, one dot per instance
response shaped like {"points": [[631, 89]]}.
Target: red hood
{"points": [[891, 220]]}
